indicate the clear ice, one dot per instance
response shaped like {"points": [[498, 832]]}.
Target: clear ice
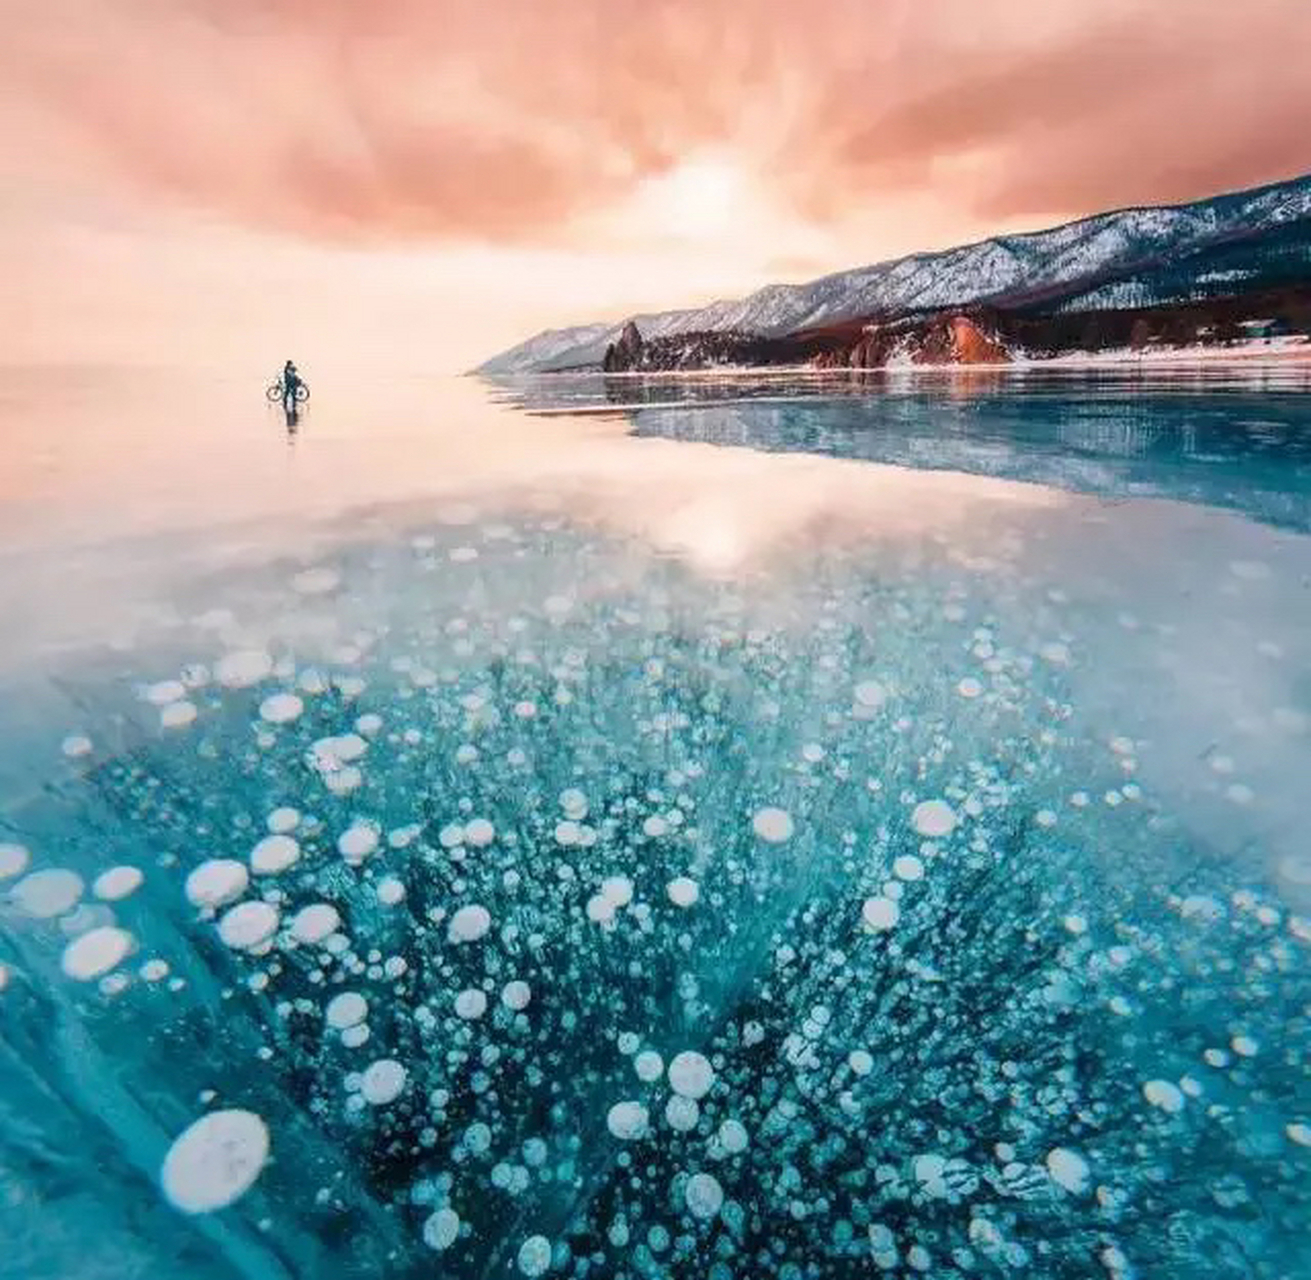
{"points": [[502, 901]]}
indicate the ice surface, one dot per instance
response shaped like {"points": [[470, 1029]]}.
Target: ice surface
{"points": [[755, 948]]}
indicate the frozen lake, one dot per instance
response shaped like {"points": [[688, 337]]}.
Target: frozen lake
{"points": [[652, 827]]}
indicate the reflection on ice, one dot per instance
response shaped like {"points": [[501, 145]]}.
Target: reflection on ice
{"points": [[504, 901]]}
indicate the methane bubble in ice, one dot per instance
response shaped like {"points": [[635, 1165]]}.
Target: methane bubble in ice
{"points": [[177, 715], [242, 668], [870, 694], [1068, 1168], [516, 995], [215, 1161], [469, 923], [117, 883], [627, 1121], [690, 1074], [248, 925], [535, 1256], [273, 855], [13, 860], [95, 952], [773, 825], [283, 819], [649, 1065], [346, 1010], [683, 891], [358, 842], [470, 1004], [382, 1081], [933, 819], [1163, 1094], [479, 833], [441, 1229], [314, 923], [880, 913], [281, 708], [704, 1195], [45, 894], [216, 882]]}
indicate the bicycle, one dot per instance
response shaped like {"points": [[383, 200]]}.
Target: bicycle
{"points": [[277, 392]]}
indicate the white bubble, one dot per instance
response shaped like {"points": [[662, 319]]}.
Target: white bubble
{"points": [[704, 1195], [1163, 1094], [283, 820], [441, 1229], [346, 1010], [600, 910], [13, 860], [683, 891], [871, 694], [45, 894], [248, 925], [76, 745], [273, 855], [880, 913], [933, 819], [164, 692], [861, 1062], [470, 1004], [177, 715], [358, 842], [95, 953], [773, 825], [682, 1114], [535, 1252], [314, 923], [969, 687], [382, 1082], [516, 995], [479, 833], [1299, 1133], [216, 882], [243, 667], [117, 883], [1069, 1169], [469, 923], [690, 1074], [1056, 653], [649, 1065], [908, 867], [628, 1121], [732, 1137], [1244, 1046], [215, 1161], [574, 804], [390, 891], [281, 708], [617, 890]]}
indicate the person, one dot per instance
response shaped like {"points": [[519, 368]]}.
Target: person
{"points": [[290, 381]]}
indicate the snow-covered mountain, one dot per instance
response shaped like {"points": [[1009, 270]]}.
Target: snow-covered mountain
{"points": [[1104, 245]]}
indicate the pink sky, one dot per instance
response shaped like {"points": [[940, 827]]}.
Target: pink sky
{"points": [[423, 182]]}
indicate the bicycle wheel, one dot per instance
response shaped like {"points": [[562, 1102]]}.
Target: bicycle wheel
{"points": [[302, 393], [274, 391]]}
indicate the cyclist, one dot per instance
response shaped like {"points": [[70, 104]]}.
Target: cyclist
{"points": [[291, 380]]}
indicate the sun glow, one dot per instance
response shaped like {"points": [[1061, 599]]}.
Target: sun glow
{"points": [[703, 198]]}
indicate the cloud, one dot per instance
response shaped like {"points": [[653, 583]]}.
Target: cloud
{"points": [[442, 120]]}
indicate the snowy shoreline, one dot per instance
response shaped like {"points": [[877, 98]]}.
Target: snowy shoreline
{"points": [[1279, 351]]}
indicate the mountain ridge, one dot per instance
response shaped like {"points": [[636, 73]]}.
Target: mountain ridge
{"points": [[1111, 243]]}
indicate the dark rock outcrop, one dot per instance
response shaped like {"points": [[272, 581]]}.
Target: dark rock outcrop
{"points": [[626, 353]]}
